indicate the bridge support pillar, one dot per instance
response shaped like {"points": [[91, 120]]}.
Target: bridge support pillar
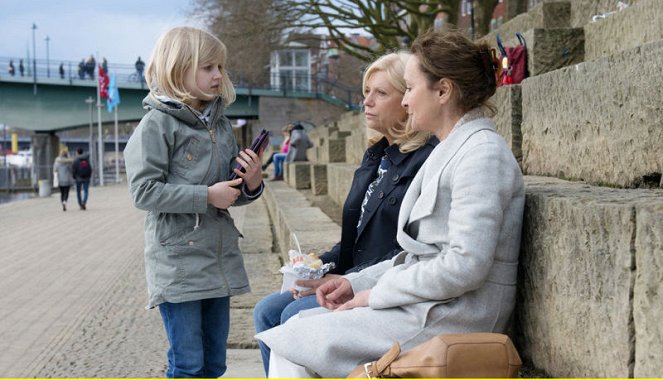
{"points": [[45, 148]]}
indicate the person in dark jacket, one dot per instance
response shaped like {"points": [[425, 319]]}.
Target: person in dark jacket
{"points": [[370, 212], [82, 174]]}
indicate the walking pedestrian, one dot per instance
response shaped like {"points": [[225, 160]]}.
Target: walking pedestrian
{"points": [[62, 174], [10, 68], [178, 161], [61, 70], [21, 69], [82, 175]]}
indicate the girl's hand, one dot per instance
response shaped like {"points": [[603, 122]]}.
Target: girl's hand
{"points": [[252, 163], [359, 300], [313, 284], [223, 194]]}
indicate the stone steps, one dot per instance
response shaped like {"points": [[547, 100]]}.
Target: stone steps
{"points": [[291, 212], [599, 121], [590, 280]]}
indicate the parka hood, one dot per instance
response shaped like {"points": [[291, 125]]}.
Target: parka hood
{"points": [[182, 111]]}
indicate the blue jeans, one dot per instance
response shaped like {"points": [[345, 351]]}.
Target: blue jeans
{"points": [[85, 186], [198, 335], [276, 309], [278, 164]]}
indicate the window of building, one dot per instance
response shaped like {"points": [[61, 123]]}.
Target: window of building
{"points": [[291, 70]]}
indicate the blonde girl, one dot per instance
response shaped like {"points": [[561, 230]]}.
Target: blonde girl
{"points": [[178, 161]]}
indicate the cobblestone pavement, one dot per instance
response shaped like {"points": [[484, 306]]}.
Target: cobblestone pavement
{"points": [[72, 290]]}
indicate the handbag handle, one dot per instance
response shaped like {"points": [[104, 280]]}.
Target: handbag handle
{"points": [[380, 366], [521, 38]]}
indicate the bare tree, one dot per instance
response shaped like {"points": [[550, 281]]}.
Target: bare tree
{"points": [[393, 23], [250, 29]]}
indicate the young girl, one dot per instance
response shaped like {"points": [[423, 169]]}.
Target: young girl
{"points": [[178, 160]]}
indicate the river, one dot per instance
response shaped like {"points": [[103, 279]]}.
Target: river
{"points": [[13, 197]]}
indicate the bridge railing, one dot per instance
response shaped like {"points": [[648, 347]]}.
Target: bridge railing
{"points": [[70, 72]]}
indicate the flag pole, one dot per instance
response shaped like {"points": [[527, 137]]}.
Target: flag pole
{"points": [[100, 150], [117, 151]]}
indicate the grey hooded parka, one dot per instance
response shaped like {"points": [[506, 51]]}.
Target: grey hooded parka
{"points": [[191, 247]]}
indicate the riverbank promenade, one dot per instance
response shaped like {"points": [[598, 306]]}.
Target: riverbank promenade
{"points": [[72, 289]]}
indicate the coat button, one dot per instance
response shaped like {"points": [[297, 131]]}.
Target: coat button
{"points": [[381, 194], [395, 178], [190, 242], [189, 156], [392, 201]]}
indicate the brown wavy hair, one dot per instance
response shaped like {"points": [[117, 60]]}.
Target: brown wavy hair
{"points": [[469, 66]]}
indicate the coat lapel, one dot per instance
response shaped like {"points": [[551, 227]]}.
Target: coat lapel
{"points": [[416, 207]]}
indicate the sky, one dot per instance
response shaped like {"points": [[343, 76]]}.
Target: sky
{"points": [[120, 30]]}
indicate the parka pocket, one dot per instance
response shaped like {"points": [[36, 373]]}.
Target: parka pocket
{"points": [[187, 156]]}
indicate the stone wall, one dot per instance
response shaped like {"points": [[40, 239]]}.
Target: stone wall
{"points": [[624, 30], [597, 121], [580, 259]]}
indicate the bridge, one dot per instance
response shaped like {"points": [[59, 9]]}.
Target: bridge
{"points": [[60, 101]]}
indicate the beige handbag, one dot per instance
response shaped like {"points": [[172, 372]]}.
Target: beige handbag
{"points": [[448, 356]]}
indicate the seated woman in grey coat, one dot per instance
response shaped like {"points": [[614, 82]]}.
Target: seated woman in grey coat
{"points": [[459, 226]]}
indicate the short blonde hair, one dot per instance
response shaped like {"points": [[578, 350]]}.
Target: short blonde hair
{"points": [[393, 64], [178, 50]]}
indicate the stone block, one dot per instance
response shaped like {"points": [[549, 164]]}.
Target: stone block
{"points": [[576, 275], [648, 290], [299, 175], [551, 49], [547, 15], [583, 10], [340, 135], [636, 25], [598, 121], [335, 150], [355, 146], [509, 116], [319, 179], [339, 177]]}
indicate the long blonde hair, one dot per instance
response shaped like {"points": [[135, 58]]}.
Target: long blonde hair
{"points": [[178, 50], [393, 64]]}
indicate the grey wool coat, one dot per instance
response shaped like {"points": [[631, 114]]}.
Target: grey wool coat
{"points": [[459, 226]]}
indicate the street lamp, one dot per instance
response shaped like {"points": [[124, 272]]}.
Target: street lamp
{"points": [[34, 59], [89, 101], [48, 66]]}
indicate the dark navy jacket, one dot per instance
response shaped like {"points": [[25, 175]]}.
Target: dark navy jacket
{"points": [[375, 240]]}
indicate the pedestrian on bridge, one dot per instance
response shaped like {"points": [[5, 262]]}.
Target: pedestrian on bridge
{"points": [[61, 70], [21, 69], [178, 162], [10, 68]]}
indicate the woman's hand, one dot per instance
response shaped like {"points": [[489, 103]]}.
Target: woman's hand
{"points": [[334, 293], [359, 300], [313, 284], [252, 163], [223, 194]]}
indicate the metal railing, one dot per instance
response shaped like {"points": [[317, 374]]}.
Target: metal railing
{"points": [[288, 84]]}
